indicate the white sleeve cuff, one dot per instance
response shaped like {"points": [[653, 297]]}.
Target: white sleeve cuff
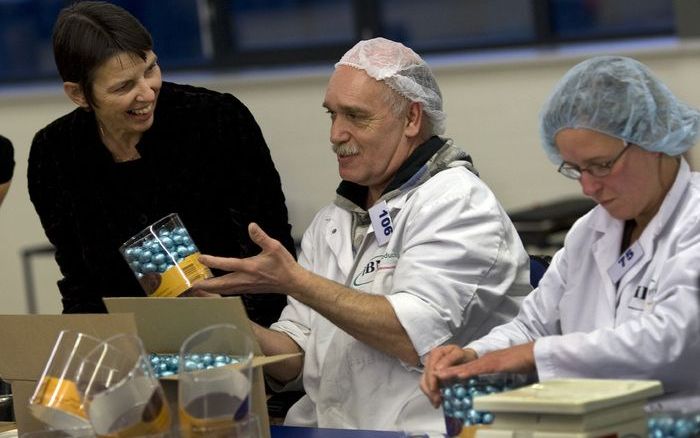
{"points": [[480, 347], [297, 332], [300, 335], [546, 370], [422, 324]]}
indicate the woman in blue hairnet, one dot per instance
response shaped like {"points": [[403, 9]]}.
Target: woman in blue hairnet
{"points": [[621, 299]]}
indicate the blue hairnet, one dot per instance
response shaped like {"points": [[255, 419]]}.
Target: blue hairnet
{"points": [[619, 97]]}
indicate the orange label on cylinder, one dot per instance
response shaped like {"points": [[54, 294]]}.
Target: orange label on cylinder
{"points": [[177, 279], [60, 394]]}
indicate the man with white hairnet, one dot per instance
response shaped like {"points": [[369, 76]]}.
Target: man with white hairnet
{"points": [[414, 252], [621, 299]]}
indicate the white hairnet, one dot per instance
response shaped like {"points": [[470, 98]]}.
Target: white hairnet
{"points": [[619, 97], [402, 70]]}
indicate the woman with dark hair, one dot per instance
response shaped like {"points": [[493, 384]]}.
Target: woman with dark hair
{"points": [[137, 149]]}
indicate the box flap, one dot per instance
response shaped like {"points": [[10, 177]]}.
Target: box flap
{"points": [[569, 396], [27, 340], [164, 323], [266, 360], [258, 361]]}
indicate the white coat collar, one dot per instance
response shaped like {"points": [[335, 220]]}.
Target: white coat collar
{"points": [[606, 245]]}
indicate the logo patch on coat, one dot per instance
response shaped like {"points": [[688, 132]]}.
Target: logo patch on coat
{"points": [[383, 262]]}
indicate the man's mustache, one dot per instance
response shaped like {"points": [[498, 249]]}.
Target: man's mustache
{"points": [[345, 149]]}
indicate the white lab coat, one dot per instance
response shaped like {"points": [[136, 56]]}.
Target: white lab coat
{"points": [[654, 331], [453, 268]]}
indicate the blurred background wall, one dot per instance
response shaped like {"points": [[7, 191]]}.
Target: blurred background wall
{"points": [[492, 99]]}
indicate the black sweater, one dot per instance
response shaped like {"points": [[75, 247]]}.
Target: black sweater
{"points": [[7, 160], [204, 158]]}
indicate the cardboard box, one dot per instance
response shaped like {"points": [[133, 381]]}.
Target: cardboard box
{"points": [[164, 323], [26, 344], [7, 426], [161, 323]]}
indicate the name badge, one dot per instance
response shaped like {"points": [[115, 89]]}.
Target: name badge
{"points": [[624, 263], [381, 223]]}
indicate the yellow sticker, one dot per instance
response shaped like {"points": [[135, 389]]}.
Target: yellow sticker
{"points": [[61, 394], [192, 427], [177, 279]]}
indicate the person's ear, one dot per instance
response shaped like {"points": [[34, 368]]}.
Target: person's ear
{"points": [[414, 119], [75, 93]]}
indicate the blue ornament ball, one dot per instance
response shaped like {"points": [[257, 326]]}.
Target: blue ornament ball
{"points": [[167, 242], [159, 259], [145, 256]]}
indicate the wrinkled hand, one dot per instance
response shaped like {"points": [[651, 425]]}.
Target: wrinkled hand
{"points": [[273, 270], [439, 359], [518, 359]]}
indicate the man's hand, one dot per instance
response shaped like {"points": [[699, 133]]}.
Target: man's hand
{"points": [[273, 270], [439, 359], [367, 317], [518, 359]]}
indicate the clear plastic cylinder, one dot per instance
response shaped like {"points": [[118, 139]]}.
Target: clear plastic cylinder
{"points": [[164, 258]]}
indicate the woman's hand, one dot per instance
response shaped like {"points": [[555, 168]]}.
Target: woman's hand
{"points": [[518, 359], [439, 359]]}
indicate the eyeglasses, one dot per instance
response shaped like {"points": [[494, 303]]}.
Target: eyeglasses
{"points": [[597, 169]]}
